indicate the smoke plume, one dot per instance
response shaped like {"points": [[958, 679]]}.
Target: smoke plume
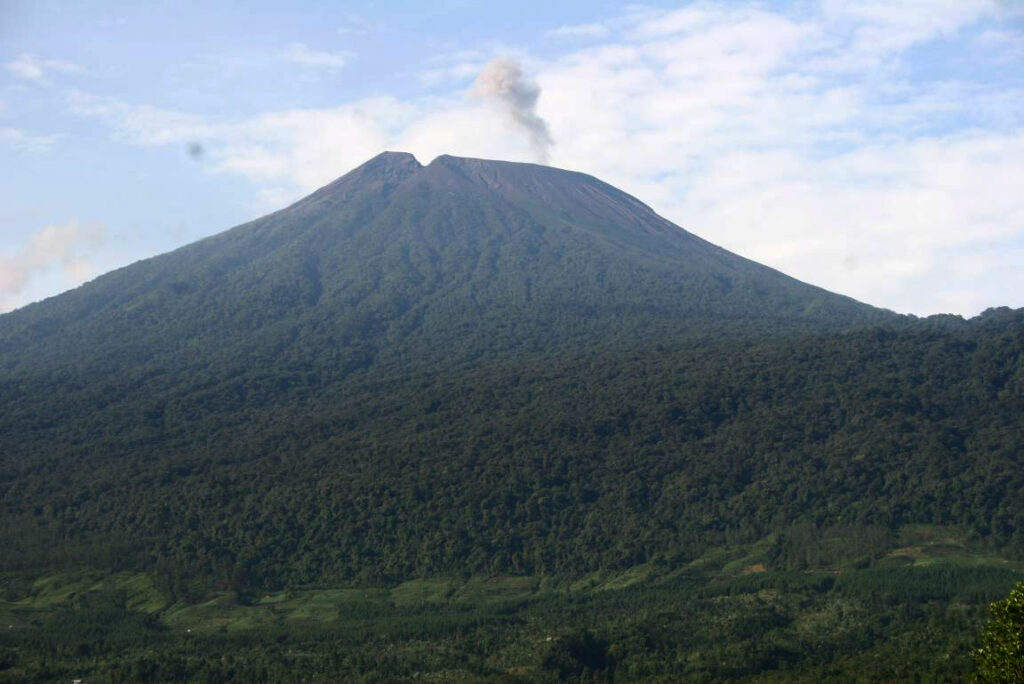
{"points": [[502, 83]]}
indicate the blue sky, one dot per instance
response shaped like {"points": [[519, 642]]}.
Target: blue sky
{"points": [[874, 147]]}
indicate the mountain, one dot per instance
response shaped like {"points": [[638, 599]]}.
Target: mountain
{"points": [[397, 265], [483, 367]]}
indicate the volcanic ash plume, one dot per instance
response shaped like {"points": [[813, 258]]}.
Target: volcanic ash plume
{"points": [[502, 83]]}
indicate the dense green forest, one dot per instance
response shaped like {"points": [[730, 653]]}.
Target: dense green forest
{"points": [[560, 465], [829, 508], [480, 420]]}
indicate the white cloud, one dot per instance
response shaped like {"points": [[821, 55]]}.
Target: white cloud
{"points": [[299, 53], [142, 124], [591, 30], [453, 68], [761, 133], [63, 249], [32, 68], [459, 72], [879, 222], [464, 129], [285, 152], [306, 148], [870, 31], [793, 139], [880, 26], [1006, 46], [27, 142]]}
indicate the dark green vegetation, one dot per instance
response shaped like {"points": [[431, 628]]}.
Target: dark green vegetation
{"points": [[473, 371], [1000, 658]]}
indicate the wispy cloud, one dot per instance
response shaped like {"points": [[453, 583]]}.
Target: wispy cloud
{"points": [[285, 153], [64, 248], [451, 73], [301, 54], [32, 68], [453, 68], [142, 124], [591, 30], [1006, 46], [25, 141]]}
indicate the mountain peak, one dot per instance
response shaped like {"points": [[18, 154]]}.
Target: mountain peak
{"points": [[378, 177], [393, 159], [386, 165], [394, 255]]}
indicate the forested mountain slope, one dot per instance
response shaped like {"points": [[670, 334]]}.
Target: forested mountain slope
{"points": [[484, 367]]}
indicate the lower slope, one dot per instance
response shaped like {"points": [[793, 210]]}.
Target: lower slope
{"points": [[551, 466]]}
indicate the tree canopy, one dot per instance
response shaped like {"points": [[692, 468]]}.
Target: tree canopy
{"points": [[1000, 658]]}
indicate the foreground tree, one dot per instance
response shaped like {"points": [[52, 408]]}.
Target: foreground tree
{"points": [[1001, 655]]}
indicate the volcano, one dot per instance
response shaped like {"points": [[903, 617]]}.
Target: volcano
{"points": [[480, 367], [397, 264]]}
